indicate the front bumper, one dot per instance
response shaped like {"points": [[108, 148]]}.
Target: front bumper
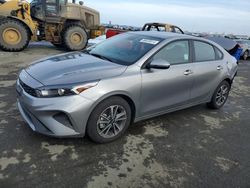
{"points": [[59, 117]]}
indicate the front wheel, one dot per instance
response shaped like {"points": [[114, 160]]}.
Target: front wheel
{"points": [[220, 96], [109, 120]]}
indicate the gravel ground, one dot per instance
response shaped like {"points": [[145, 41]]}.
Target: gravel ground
{"points": [[196, 147]]}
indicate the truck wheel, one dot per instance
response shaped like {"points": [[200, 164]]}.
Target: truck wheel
{"points": [[14, 36], [245, 55], [75, 38]]}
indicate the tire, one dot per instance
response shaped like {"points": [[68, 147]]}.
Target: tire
{"points": [[14, 36], [220, 96], [108, 131], [245, 55], [75, 38]]}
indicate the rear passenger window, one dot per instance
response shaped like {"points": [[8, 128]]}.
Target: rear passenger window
{"points": [[219, 54], [175, 53], [204, 51]]}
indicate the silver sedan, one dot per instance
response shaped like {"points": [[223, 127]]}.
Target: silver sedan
{"points": [[128, 78]]}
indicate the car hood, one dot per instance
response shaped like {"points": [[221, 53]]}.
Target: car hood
{"points": [[71, 68]]}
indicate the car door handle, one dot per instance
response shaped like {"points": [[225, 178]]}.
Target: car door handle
{"points": [[188, 72], [219, 67]]}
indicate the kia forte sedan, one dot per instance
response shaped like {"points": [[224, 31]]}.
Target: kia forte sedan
{"points": [[128, 78]]}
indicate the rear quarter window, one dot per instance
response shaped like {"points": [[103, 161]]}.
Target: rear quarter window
{"points": [[204, 51], [218, 53]]}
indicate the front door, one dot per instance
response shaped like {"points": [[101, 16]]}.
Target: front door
{"points": [[169, 88]]}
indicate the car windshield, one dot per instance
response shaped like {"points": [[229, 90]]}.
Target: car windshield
{"points": [[125, 49]]}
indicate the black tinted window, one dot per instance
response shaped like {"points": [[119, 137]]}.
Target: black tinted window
{"points": [[204, 51], [175, 53]]}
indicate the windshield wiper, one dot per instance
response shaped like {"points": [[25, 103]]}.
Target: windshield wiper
{"points": [[100, 56]]}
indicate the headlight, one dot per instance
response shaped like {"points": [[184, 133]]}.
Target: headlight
{"points": [[53, 91]]}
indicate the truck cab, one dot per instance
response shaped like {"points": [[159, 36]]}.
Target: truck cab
{"points": [[56, 11], [47, 10]]}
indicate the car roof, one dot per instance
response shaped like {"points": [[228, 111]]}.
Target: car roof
{"points": [[170, 35], [163, 35]]}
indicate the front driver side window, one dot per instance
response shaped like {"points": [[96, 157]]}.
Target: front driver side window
{"points": [[175, 53]]}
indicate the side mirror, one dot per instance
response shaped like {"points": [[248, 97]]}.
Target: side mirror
{"points": [[158, 64]]}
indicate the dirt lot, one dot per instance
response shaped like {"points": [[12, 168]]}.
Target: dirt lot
{"points": [[196, 147]]}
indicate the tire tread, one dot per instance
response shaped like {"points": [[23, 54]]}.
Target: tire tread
{"points": [[18, 23]]}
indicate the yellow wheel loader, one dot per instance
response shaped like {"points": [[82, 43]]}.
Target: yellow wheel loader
{"points": [[64, 24]]}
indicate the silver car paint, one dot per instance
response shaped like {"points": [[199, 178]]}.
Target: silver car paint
{"points": [[39, 111], [151, 92], [73, 67]]}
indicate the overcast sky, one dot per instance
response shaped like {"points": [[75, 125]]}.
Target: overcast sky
{"points": [[229, 16]]}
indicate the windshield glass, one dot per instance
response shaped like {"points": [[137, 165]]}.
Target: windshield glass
{"points": [[125, 49]]}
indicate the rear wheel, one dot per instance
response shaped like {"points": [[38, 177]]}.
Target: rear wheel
{"points": [[220, 95], [245, 55], [109, 120], [75, 38], [13, 35]]}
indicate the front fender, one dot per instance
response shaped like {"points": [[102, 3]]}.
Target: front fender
{"points": [[111, 94]]}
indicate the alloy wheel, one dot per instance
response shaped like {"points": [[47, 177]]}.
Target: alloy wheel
{"points": [[222, 95], [111, 121]]}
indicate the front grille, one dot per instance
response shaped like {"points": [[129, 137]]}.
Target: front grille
{"points": [[28, 89]]}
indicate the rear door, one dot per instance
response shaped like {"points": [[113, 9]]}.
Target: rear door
{"points": [[169, 88], [208, 70]]}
